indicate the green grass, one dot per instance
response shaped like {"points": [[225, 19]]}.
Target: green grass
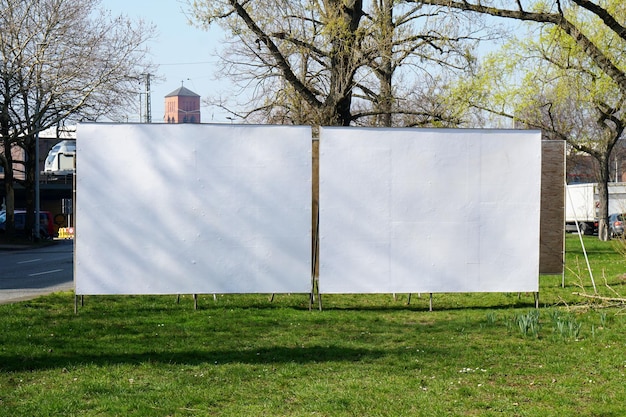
{"points": [[364, 355]]}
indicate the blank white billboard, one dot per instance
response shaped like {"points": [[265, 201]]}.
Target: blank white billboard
{"points": [[429, 210], [169, 209]]}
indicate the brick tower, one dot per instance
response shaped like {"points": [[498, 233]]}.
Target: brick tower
{"points": [[182, 106]]}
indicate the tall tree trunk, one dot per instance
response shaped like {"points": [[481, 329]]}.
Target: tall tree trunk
{"points": [[385, 71], [29, 183], [348, 14], [603, 197], [9, 190]]}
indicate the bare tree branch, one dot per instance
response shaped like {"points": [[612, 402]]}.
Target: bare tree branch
{"points": [[603, 14]]}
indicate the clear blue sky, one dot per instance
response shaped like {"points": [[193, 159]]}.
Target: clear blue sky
{"points": [[183, 53]]}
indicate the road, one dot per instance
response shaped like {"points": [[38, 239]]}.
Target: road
{"points": [[28, 273]]}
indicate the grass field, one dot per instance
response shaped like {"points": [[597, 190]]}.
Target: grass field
{"points": [[363, 355]]}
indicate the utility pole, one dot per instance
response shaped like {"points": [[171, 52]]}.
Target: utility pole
{"points": [[39, 63], [147, 105]]}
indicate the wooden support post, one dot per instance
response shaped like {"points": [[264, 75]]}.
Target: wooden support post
{"points": [[315, 221]]}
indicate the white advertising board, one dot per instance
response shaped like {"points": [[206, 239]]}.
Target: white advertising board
{"points": [[429, 210], [171, 209]]}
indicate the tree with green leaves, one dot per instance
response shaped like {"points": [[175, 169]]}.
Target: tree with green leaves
{"points": [[61, 61], [568, 78]]}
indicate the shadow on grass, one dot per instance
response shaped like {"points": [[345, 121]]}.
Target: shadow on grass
{"points": [[440, 308], [441, 302], [44, 335], [330, 302], [274, 355], [205, 302]]}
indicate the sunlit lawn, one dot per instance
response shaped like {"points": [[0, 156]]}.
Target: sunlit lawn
{"points": [[363, 355]]}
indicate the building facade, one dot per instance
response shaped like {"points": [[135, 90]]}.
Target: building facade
{"points": [[182, 106]]}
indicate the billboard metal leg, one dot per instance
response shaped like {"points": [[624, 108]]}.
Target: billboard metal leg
{"points": [[82, 302], [195, 301], [430, 302], [314, 292]]}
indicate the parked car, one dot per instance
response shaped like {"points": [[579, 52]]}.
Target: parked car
{"points": [[616, 224], [46, 223]]}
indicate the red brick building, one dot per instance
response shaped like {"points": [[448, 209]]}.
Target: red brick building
{"points": [[182, 106]]}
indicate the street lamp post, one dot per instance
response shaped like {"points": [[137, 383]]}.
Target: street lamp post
{"points": [[39, 66], [37, 207]]}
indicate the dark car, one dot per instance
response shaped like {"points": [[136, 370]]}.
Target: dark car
{"points": [[46, 223], [616, 224]]}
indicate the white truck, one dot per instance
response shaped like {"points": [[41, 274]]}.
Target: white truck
{"points": [[582, 205]]}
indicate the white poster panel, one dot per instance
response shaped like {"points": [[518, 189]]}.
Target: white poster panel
{"points": [[169, 209], [429, 210]]}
